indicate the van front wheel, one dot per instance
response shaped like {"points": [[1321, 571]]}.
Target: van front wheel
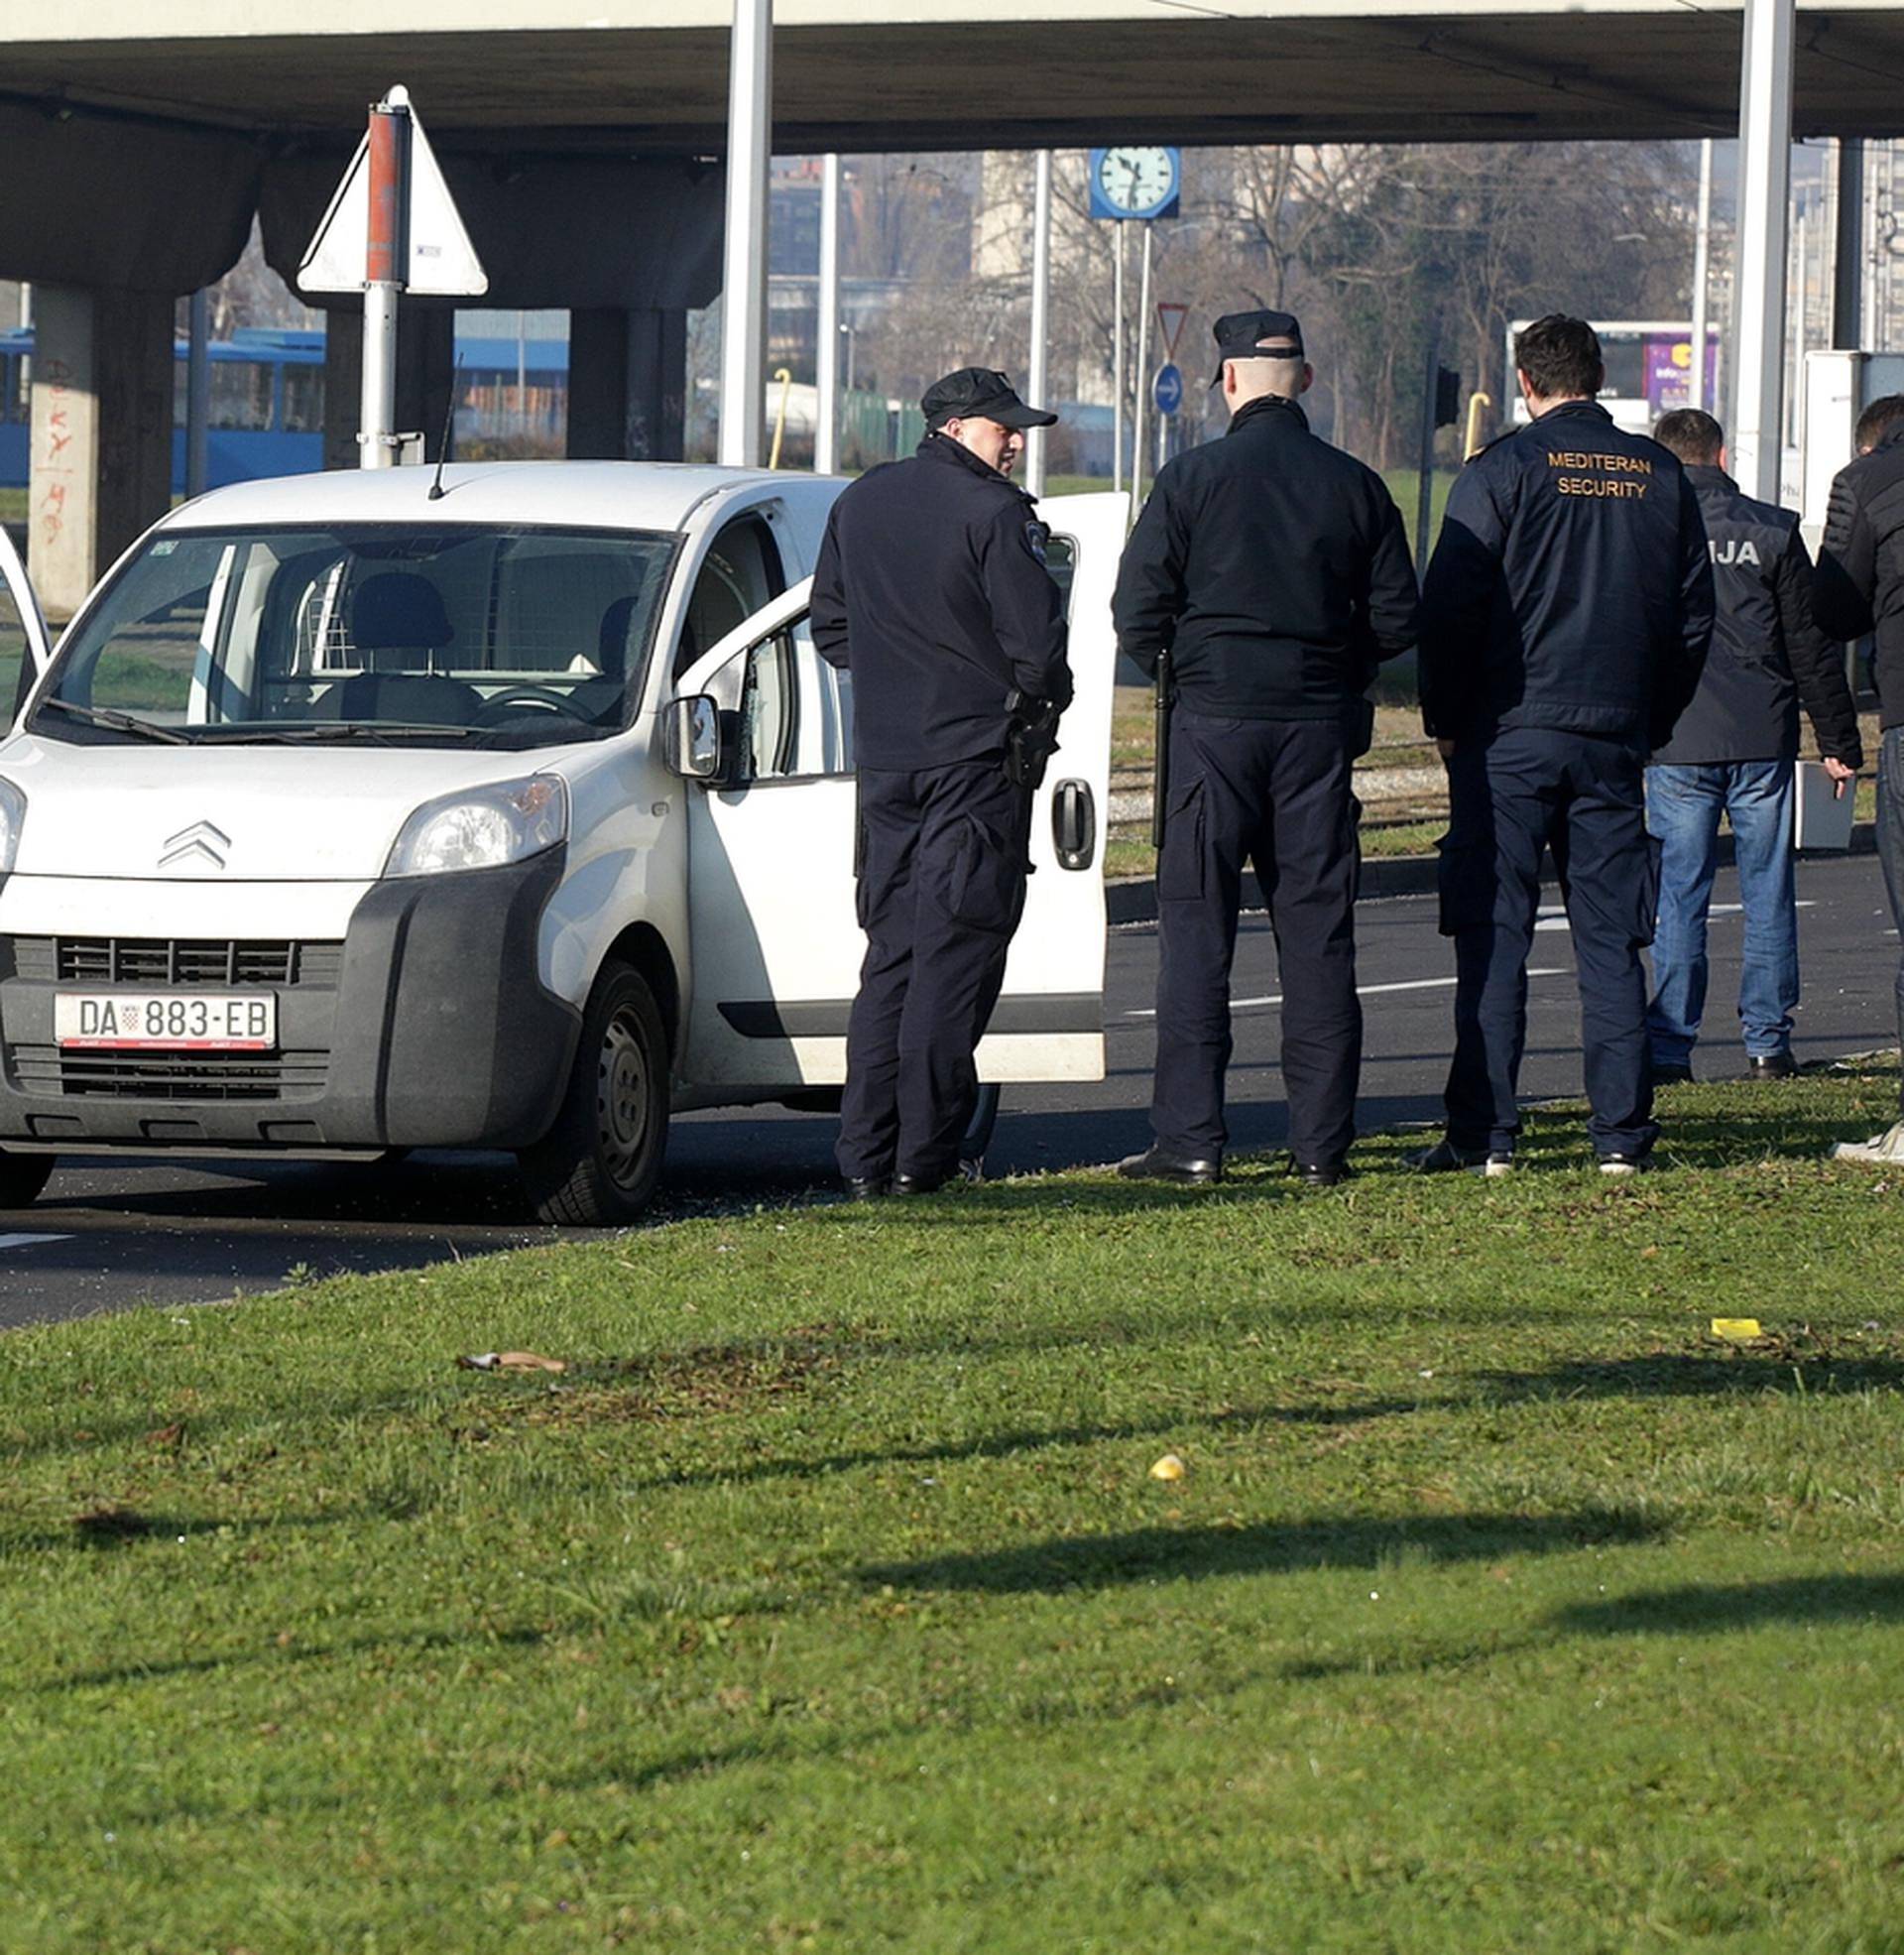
{"points": [[598, 1164], [22, 1177]]}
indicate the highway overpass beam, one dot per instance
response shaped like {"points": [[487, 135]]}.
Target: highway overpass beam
{"points": [[1764, 190], [627, 383], [100, 467]]}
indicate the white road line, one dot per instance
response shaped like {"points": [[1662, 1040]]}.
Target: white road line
{"points": [[1361, 991], [29, 1241], [1556, 920]]}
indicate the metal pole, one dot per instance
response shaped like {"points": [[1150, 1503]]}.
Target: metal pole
{"points": [[826, 351], [198, 394], [1696, 391], [1116, 373], [1764, 186], [1847, 255], [750, 147], [1141, 395], [1425, 480], [1038, 376], [386, 258]]}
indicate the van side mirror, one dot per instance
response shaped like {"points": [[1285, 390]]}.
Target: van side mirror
{"points": [[692, 742]]}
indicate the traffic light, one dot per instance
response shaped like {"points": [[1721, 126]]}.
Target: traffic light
{"points": [[1447, 397]]}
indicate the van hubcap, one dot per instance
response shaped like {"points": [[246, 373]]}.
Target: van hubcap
{"points": [[622, 1101]]}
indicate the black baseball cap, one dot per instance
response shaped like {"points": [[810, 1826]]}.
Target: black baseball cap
{"points": [[980, 393], [1241, 336]]}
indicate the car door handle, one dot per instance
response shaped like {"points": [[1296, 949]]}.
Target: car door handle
{"points": [[1074, 825]]}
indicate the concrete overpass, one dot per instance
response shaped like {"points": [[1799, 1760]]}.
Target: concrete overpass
{"points": [[583, 141]]}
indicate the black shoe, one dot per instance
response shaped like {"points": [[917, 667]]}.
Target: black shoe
{"points": [[1679, 1073], [925, 1185], [1774, 1066], [1159, 1164], [868, 1187], [1319, 1173]]}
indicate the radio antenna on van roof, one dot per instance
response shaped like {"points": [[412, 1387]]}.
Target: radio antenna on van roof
{"points": [[449, 427]]}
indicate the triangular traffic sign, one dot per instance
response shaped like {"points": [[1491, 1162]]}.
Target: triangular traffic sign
{"points": [[441, 261], [1170, 319]]}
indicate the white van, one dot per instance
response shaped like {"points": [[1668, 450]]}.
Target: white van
{"points": [[351, 816]]}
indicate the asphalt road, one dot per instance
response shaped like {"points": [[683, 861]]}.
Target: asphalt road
{"points": [[108, 1235]]}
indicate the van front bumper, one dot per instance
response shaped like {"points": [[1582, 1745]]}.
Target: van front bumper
{"points": [[427, 1026]]}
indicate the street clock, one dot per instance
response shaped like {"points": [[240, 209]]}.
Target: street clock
{"points": [[1134, 183]]}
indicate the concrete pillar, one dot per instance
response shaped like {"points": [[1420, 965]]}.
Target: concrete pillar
{"points": [[627, 383], [425, 368], [101, 456], [1765, 194]]}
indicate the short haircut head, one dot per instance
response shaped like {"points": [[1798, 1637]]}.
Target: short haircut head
{"points": [[1560, 357], [1878, 420], [1692, 437]]}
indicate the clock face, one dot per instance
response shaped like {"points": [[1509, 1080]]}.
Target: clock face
{"points": [[1136, 180]]}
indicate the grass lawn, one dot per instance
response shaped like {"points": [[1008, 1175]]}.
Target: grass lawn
{"points": [[827, 1601]]}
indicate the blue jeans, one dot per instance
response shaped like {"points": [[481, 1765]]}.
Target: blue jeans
{"points": [[1683, 806]]}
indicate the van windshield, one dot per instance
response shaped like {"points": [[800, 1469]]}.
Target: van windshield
{"points": [[456, 636]]}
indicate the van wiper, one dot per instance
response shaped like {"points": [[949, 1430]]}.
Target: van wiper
{"points": [[142, 729], [313, 732]]}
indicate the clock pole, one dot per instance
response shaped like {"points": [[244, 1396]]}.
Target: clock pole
{"points": [[1116, 370], [1136, 404]]}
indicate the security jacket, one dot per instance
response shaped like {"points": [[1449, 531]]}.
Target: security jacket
{"points": [[1571, 589], [1860, 586], [1768, 649], [1272, 567], [931, 590]]}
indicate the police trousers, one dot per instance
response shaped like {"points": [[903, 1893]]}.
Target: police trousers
{"points": [[941, 888], [1513, 795], [1274, 794]]}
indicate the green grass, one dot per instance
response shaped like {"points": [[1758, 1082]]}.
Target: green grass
{"points": [[827, 1601]]}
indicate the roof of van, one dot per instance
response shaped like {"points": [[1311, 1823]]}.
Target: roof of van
{"points": [[631, 495]]}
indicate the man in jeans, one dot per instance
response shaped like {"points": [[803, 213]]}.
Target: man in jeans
{"points": [[1859, 588], [1732, 751]]}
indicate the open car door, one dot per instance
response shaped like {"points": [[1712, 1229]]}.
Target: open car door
{"points": [[776, 943], [25, 647]]}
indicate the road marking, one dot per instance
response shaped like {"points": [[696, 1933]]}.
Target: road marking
{"points": [[29, 1241], [1556, 920], [1361, 991]]}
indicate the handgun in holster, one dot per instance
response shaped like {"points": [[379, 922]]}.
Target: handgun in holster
{"points": [[1030, 739]]}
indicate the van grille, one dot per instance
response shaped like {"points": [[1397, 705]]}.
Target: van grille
{"points": [[45, 1070], [182, 963]]}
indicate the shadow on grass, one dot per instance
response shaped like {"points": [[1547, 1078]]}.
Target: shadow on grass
{"points": [[1155, 1554], [1700, 1611], [1682, 1375]]}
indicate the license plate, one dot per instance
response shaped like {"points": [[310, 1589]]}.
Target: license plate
{"points": [[167, 1020]]}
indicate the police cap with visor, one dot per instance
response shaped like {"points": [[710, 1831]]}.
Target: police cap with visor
{"points": [[980, 393], [1256, 336]]}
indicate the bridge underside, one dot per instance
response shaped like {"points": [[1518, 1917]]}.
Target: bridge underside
{"points": [[1178, 73]]}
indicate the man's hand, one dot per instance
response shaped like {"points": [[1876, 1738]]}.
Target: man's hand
{"points": [[1445, 748], [1840, 775]]}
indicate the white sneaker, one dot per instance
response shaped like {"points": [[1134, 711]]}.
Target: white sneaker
{"points": [[1885, 1150]]}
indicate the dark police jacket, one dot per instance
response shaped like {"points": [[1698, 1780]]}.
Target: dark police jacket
{"points": [[1860, 586], [1272, 567], [931, 590], [1571, 589], [1768, 649]]}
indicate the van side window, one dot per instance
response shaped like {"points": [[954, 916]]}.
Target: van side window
{"points": [[741, 572], [796, 712]]}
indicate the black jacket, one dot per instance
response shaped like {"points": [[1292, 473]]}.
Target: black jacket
{"points": [[1860, 586], [1571, 589], [931, 590], [1768, 649], [1272, 567]]}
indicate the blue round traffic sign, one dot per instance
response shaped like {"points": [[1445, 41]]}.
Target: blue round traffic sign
{"points": [[1167, 388]]}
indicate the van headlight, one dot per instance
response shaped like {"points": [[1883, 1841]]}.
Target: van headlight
{"points": [[482, 827], [13, 814]]}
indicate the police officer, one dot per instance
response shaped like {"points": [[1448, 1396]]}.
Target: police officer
{"points": [[1733, 752], [1274, 571], [931, 589], [1565, 621]]}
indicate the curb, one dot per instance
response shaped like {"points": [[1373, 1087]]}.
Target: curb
{"points": [[1133, 899]]}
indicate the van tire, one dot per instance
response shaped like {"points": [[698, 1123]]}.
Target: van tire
{"points": [[22, 1177], [597, 1166]]}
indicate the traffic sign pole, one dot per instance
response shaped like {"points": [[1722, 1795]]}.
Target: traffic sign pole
{"points": [[386, 254]]}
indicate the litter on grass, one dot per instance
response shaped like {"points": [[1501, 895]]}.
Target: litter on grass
{"points": [[1737, 1330], [1169, 1467], [511, 1361]]}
